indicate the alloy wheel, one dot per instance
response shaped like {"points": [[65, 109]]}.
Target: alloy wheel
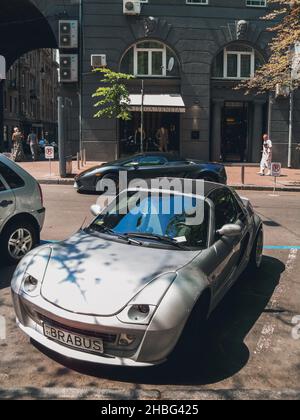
{"points": [[20, 243]]}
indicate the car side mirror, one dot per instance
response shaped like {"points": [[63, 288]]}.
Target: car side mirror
{"points": [[231, 231], [96, 210]]}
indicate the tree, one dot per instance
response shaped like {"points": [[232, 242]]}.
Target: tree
{"points": [[114, 102], [285, 15]]}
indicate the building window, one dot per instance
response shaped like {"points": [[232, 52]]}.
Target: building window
{"points": [[196, 1], [256, 3], [150, 59], [236, 62]]}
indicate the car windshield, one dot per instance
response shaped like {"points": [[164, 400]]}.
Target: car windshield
{"points": [[171, 219]]}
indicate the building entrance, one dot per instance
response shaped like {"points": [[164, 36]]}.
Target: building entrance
{"points": [[130, 139], [235, 123]]}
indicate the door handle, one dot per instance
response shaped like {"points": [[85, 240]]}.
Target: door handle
{"points": [[6, 203]]}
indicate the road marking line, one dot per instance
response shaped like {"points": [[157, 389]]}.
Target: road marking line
{"points": [[265, 340]]}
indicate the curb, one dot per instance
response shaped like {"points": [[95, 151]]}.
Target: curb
{"points": [[264, 188], [235, 186], [59, 181]]}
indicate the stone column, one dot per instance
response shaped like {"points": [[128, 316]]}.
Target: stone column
{"points": [[257, 130], [216, 129]]}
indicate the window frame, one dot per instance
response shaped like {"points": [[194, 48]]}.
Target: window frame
{"points": [[248, 3], [211, 198], [20, 180], [239, 55], [197, 2], [150, 51]]}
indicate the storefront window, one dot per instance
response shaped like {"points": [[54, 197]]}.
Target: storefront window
{"points": [[236, 62], [150, 59]]}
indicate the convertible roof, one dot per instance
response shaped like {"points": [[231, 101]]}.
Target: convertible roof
{"points": [[208, 186]]}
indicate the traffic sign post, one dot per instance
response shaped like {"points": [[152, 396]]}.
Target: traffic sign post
{"points": [[276, 173], [50, 155]]}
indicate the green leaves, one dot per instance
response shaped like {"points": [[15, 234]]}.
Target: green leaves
{"points": [[285, 15], [113, 95]]}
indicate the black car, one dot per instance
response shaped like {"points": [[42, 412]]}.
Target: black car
{"points": [[151, 165]]}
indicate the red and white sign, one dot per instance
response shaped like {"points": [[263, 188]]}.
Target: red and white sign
{"points": [[276, 169], [49, 152]]}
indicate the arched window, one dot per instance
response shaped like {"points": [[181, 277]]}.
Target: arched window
{"points": [[236, 61], [150, 59]]}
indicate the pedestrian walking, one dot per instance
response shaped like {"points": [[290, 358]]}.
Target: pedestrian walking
{"points": [[162, 136], [32, 141], [266, 160], [17, 139]]}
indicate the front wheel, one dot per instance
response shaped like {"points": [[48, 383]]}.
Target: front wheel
{"points": [[17, 240], [257, 251]]}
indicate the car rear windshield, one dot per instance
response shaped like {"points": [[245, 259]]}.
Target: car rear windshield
{"points": [[13, 180]]}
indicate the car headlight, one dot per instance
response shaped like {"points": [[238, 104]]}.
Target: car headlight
{"points": [[137, 314], [31, 285]]}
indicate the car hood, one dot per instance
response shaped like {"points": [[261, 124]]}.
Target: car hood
{"points": [[93, 276]]}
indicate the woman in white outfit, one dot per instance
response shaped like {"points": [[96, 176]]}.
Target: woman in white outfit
{"points": [[266, 160]]}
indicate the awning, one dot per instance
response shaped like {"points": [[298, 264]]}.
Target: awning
{"points": [[157, 103]]}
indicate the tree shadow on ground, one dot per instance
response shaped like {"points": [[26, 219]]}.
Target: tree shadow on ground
{"points": [[222, 354]]}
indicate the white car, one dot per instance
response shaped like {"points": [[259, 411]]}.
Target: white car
{"points": [[22, 212]]}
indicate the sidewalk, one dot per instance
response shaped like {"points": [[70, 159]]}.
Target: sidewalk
{"points": [[289, 181]]}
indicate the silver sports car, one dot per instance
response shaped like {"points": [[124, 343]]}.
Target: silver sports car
{"points": [[124, 290]]}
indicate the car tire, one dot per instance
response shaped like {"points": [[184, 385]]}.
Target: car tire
{"points": [[194, 331], [256, 257], [17, 236]]}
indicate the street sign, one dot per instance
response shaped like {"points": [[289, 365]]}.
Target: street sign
{"points": [[2, 68], [276, 173], [49, 152], [276, 169]]}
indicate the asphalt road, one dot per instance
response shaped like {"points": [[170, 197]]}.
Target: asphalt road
{"points": [[252, 347]]}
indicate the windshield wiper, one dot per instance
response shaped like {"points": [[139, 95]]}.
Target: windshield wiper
{"points": [[157, 237], [109, 231]]}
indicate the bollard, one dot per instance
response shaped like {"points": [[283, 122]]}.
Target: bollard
{"points": [[78, 161], [243, 174]]}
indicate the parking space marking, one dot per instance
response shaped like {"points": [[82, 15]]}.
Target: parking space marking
{"points": [[265, 340]]}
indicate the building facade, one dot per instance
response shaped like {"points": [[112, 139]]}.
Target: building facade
{"points": [[30, 96], [190, 54], [198, 50]]}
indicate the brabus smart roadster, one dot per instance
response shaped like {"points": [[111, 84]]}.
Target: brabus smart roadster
{"points": [[125, 289]]}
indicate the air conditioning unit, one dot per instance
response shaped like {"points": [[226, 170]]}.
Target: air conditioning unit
{"points": [[282, 91], [98, 60], [68, 34], [132, 7], [68, 69]]}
